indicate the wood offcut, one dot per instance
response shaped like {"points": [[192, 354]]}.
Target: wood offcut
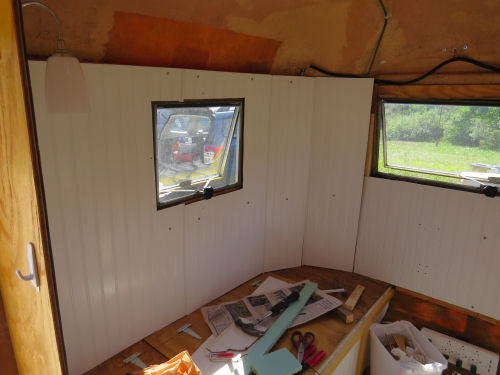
{"points": [[353, 299], [344, 314]]}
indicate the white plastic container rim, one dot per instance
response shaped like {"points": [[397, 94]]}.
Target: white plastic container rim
{"points": [[422, 343]]}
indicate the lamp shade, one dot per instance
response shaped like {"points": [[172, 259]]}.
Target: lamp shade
{"points": [[65, 86]]}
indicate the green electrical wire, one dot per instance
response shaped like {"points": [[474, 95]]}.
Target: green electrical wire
{"points": [[386, 16]]}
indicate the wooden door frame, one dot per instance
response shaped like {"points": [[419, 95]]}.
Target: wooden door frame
{"points": [[38, 182]]}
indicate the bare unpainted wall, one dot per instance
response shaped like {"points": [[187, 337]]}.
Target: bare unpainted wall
{"points": [[285, 36]]}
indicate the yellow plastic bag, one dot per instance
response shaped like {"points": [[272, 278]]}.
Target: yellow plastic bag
{"points": [[181, 364]]}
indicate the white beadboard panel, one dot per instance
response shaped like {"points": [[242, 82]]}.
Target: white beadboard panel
{"points": [[439, 242], [118, 261], [123, 268], [338, 149], [291, 113], [348, 365], [224, 236]]}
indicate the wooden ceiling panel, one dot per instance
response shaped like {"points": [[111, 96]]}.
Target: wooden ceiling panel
{"points": [[152, 41]]}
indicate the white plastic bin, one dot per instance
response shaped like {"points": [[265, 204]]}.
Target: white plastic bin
{"points": [[383, 363]]}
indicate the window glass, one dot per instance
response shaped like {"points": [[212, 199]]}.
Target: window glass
{"points": [[449, 142], [198, 148]]}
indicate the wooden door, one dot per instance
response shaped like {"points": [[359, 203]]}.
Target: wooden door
{"points": [[32, 315]]}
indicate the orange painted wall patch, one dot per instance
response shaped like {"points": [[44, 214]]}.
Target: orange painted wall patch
{"points": [[151, 41]]}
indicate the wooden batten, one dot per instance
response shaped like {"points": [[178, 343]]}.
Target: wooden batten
{"points": [[486, 92]]}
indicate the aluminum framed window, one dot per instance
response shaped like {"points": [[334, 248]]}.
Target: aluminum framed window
{"points": [[450, 143], [198, 149]]}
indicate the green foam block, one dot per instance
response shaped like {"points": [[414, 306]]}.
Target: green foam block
{"points": [[281, 362]]}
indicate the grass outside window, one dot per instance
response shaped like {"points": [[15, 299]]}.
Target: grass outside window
{"points": [[440, 142]]}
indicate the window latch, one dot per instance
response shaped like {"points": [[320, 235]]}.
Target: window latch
{"points": [[490, 191], [208, 192]]}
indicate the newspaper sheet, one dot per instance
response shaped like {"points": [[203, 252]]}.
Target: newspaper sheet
{"points": [[253, 308]]}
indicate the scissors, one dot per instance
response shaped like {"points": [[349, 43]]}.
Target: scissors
{"points": [[302, 342]]}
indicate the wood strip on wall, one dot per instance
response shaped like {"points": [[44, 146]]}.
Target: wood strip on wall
{"points": [[441, 91]]}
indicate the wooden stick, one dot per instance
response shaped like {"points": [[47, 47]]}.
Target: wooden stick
{"points": [[353, 299], [345, 315], [400, 342]]}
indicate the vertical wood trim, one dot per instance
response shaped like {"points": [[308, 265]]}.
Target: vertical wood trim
{"points": [[36, 335], [40, 190], [363, 342], [369, 149]]}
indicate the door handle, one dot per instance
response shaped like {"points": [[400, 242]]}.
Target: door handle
{"points": [[33, 275]]}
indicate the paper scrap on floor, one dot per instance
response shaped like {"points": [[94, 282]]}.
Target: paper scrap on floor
{"points": [[255, 307], [233, 337]]}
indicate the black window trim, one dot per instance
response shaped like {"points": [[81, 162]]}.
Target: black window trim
{"points": [[195, 197]]}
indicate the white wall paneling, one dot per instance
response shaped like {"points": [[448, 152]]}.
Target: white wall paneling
{"points": [[124, 269], [439, 242], [224, 237], [292, 100], [119, 271], [338, 149]]}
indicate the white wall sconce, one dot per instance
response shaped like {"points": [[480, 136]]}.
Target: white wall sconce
{"points": [[65, 86]]}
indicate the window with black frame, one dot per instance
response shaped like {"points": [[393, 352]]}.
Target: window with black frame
{"points": [[447, 143], [198, 149]]}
